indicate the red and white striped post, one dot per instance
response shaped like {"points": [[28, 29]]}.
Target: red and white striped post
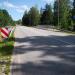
{"points": [[4, 32]]}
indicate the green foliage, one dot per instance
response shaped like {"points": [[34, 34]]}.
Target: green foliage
{"points": [[62, 12], [34, 15], [26, 19], [73, 14], [47, 15], [5, 18], [61, 15], [18, 22], [31, 18]]}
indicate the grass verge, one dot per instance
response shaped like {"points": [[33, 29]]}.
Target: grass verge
{"points": [[6, 49]]}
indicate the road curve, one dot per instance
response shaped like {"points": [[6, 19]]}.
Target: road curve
{"points": [[42, 52]]}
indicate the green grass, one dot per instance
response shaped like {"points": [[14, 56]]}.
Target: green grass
{"points": [[6, 49]]}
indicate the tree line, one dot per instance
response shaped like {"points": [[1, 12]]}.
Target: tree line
{"points": [[61, 15], [5, 18]]}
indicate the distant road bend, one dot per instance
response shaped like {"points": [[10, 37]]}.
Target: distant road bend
{"points": [[42, 52]]}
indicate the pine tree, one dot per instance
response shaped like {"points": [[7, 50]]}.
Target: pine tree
{"points": [[73, 14], [64, 13], [47, 15], [25, 19], [31, 18], [34, 16]]}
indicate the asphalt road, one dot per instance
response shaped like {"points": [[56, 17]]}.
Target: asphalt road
{"points": [[42, 52]]}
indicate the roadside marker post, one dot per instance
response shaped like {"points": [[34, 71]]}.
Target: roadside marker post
{"points": [[4, 32], [12, 31]]}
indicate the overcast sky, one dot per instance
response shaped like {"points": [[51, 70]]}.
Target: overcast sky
{"points": [[16, 8]]}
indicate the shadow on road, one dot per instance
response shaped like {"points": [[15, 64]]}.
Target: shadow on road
{"points": [[47, 55]]}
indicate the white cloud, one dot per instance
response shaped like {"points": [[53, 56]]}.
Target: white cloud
{"points": [[8, 5], [22, 8], [18, 8]]}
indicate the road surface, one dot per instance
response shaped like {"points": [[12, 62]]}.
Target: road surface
{"points": [[41, 52]]}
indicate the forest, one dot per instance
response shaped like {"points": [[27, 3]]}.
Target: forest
{"points": [[61, 15]]}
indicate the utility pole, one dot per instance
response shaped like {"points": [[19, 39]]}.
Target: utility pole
{"points": [[58, 14]]}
